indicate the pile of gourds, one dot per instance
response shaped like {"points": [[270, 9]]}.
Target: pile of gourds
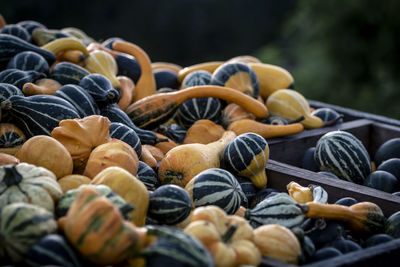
{"points": [[109, 159]]}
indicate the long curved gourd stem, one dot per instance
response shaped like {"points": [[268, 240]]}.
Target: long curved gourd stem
{"points": [[146, 85]]}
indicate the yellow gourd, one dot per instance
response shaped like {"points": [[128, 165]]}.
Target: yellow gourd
{"points": [[184, 162], [103, 63], [290, 105]]}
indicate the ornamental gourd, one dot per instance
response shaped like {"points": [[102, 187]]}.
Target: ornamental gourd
{"points": [[11, 138], [95, 227], [131, 189], [81, 136], [228, 238], [27, 183], [184, 162]]}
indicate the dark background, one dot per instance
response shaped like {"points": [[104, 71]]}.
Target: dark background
{"points": [[343, 52]]}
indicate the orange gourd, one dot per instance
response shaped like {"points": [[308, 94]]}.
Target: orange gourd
{"points": [[203, 132], [72, 181], [127, 91], [41, 87], [6, 159]]}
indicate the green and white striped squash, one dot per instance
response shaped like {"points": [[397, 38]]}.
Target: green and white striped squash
{"points": [[195, 109], [148, 176], [52, 249], [217, 187], [29, 60], [278, 209], [17, 31], [68, 73], [66, 200], [30, 184], [19, 77], [344, 155], [196, 78], [21, 226], [247, 155], [238, 76], [174, 247], [79, 98], [169, 204], [100, 88], [38, 114], [124, 133]]}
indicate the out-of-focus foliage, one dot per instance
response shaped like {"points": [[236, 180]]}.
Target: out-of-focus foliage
{"points": [[343, 52]]}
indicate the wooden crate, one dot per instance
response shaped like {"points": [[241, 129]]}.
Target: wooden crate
{"points": [[280, 174]]}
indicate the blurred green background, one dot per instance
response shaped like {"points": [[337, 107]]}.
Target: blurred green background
{"points": [[342, 52]]}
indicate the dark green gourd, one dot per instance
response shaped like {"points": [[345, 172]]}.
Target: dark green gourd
{"points": [[6, 91], [128, 66], [29, 60], [38, 114], [11, 45], [115, 114], [17, 31], [68, 73], [124, 133], [100, 88], [148, 176], [20, 77], [79, 98], [31, 25]]}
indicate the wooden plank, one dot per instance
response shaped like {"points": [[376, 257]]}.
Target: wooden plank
{"points": [[280, 174], [352, 114], [290, 149]]}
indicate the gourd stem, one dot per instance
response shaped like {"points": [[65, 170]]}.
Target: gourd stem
{"points": [[227, 236], [11, 176]]}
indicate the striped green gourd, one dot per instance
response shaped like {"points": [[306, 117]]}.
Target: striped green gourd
{"points": [[124, 133], [68, 73], [79, 98], [169, 204], [38, 114], [195, 109], [344, 155], [11, 45], [248, 189], [31, 25], [21, 226], [237, 75], [29, 60], [17, 31], [30, 184], [247, 155], [20, 77], [52, 249], [173, 131], [100, 88], [6, 91], [11, 136], [217, 187], [66, 200], [174, 247], [115, 114], [148, 176], [278, 209]]}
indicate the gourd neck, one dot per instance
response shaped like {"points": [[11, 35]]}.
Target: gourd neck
{"points": [[11, 176]]}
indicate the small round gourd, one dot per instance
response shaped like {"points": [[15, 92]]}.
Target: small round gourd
{"points": [[169, 204], [247, 155], [308, 161], [328, 115], [216, 187], [238, 76], [195, 109], [166, 78], [392, 225], [148, 176], [29, 60], [344, 155], [388, 150], [100, 88], [377, 239], [392, 166], [54, 250], [326, 253], [11, 138], [195, 78], [33, 223], [16, 30], [382, 180]]}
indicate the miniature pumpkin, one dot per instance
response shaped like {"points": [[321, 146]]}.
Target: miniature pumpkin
{"points": [[46, 151], [228, 238], [95, 227], [129, 188], [27, 183], [113, 153], [80, 136]]}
